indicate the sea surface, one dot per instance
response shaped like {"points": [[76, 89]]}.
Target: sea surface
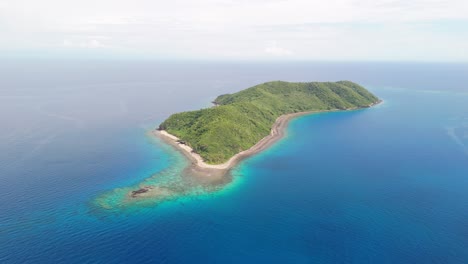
{"points": [[387, 184]]}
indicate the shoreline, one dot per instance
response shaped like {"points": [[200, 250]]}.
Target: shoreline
{"points": [[201, 169]]}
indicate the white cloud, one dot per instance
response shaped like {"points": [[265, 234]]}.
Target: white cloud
{"points": [[93, 43], [305, 29], [67, 43], [88, 43], [274, 50]]}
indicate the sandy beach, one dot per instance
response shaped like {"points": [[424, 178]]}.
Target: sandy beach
{"points": [[202, 169], [198, 165]]}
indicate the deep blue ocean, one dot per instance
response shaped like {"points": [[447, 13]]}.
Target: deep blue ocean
{"points": [[387, 184]]}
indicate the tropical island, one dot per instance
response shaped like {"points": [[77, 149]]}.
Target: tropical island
{"points": [[242, 124], [249, 121]]}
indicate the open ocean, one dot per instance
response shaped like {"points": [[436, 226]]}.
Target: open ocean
{"points": [[387, 184]]}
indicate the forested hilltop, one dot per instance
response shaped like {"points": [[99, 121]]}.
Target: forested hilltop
{"points": [[242, 119]]}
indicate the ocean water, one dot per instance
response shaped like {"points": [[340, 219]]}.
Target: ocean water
{"points": [[381, 185]]}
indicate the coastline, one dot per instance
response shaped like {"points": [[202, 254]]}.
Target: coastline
{"points": [[201, 169]]}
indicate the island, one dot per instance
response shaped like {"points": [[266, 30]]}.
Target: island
{"points": [[244, 123]]}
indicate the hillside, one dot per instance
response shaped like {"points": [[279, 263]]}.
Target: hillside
{"points": [[241, 119]]}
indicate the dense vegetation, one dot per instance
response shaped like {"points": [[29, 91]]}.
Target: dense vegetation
{"points": [[241, 119]]}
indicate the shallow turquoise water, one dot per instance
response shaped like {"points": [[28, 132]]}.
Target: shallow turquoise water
{"points": [[380, 185]]}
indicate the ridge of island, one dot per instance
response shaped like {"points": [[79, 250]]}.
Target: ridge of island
{"points": [[244, 123]]}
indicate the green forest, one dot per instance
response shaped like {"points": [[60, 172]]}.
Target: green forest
{"points": [[240, 120]]}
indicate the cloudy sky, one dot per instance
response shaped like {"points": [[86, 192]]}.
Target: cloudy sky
{"points": [[408, 30]]}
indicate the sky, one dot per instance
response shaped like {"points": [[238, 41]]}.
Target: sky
{"points": [[348, 30]]}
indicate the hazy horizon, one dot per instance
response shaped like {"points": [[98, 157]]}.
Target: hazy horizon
{"points": [[298, 30]]}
